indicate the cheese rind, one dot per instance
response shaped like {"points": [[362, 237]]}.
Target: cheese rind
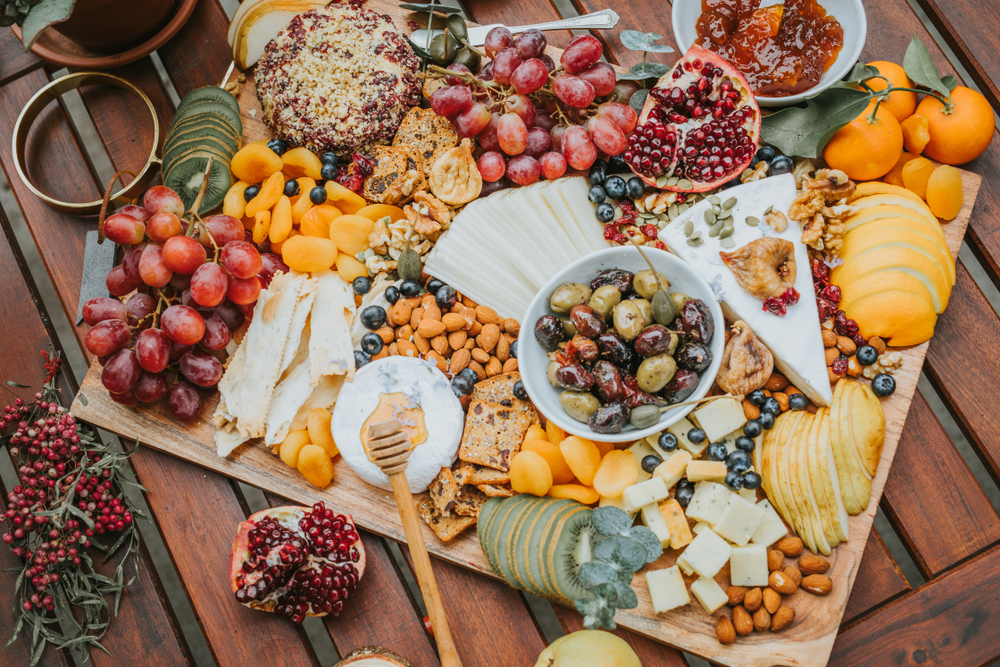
{"points": [[673, 468], [771, 528], [711, 471], [709, 594], [706, 554], [677, 524], [748, 566], [652, 519], [666, 589], [708, 502], [719, 418], [644, 493], [739, 520]]}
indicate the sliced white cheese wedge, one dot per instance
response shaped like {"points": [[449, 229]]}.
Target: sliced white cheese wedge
{"points": [[706, 554], [638, 495], [708, 502], [771, 528], [748, 566], [739, 520], [666, 589], [719, 418], [709, 594]]}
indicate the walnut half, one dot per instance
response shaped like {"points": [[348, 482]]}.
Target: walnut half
{"points": [[746, 363]]}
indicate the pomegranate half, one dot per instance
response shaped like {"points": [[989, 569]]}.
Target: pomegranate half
{"points": [[296, 561], [700, 123]]}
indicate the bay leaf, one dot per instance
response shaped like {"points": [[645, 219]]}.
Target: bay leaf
{"points": [[804, 131], [919, 66]]}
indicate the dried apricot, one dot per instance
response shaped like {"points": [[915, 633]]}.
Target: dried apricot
{"points": [[350, 268], [318, 425], [582, 456], [915, 175], [234, 204], [916, 133], [561, 474], [618, 471], [346, 200], [261, 225], [376, 212], [281, 220], [270, 191], [247, 223], [554, 433], [944, 192], [301, 202], [316, 221], [895, 175], [578, 492], [530, 473], [299, 162], [308, 253], [254, 163], [350, 233], [604, 448], [535, 432], [316, 466], [276, 247], [292, 445]]}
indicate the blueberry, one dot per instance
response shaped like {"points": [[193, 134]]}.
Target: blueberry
{"points": [[461, 385], [360, 358], [751, 480], [317, 195], [251, 192], [596, 194], [696, 436], [519, 391], [328, 172], [446, 296], [771, 406], [683, 495], [765, 153], [744, 443], [371, 343], [781, 165], [867, 355], [716, 451], [391, 294], [635, 187], [605, 212], [734, 480], [469, 375], [757, 397], [409, 288], [798, 402], [685, 483], [361, 285], [883, 385], [739, 461], [278, 146], [373, 317], [597, 172], [291, 188], [650, 462], [752, 428], [615, 187], [617, 165], [513, 350], [766, 421], [667, 441], [329, 158], [754, 161]]}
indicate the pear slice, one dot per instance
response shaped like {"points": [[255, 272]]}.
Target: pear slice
{"points": [[867, 427], [847, 425], [830, 480], [855, 487], [814, 483], [785, 477], [772, 441], [799, 470]]}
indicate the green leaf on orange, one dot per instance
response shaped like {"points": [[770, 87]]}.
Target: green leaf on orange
{"points": [[919, 66], [804, 131]]}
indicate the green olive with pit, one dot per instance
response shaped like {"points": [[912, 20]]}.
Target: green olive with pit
{"points": [[469, 58], [647, 310], [568, 295], [679, 299], [645, 283], [579, 404], [443, 49], [644, 416], [629, 320], [655, 372], [604, 300], [663, 308]]}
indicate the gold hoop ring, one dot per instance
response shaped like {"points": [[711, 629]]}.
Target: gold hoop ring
{"points": [[51, 92]]}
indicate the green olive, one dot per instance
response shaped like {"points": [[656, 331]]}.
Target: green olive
{"points": [[568, 295], [443, 49], [550, 372], [628, 319], [568, 326], [579, 404], [672, 345], [655, 372], [469, 58], [457, 27], [604, 300], [647, 311], [644, 416], [645, 283], [664, 311], [679, 299]]}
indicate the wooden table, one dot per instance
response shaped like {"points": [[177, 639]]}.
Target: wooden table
{"points": [[931, 498]]}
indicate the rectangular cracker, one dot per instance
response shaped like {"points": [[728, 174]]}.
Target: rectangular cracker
{"points": [[494, 491], [493, 434], [500, 389], [446, 528], [470, 501], [443, 492], [429, 134], [476, 475], [398, 173]]}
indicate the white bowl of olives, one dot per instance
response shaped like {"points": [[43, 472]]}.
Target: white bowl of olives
{"points": [[603, 356]]}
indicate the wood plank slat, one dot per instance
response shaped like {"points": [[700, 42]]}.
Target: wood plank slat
{"points": [[651, 653], [879, 581], [13, 60], [635, 15], [930, 480], [199, 55]]}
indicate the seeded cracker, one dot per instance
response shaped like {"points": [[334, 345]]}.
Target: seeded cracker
{"points": [[397, 175], [430, 134], [446, 528], [470, 502], [493, 434], [476, 475], [494, 491], [443, 492], [500, 389]]}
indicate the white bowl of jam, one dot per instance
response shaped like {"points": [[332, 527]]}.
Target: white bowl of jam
{"points": [[775, 64]]}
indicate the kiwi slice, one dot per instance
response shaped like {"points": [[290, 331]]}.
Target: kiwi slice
{"points": [[487, 528], [205, 107], [515, 507], [213, 93], [172, 158], [178, 147], [187, 176], [203, 119], [526, 558], [571, 547], [187, 132], [547, 545], [531, 549], [525, 522]]}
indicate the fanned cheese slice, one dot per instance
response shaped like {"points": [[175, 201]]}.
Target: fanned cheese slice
{"points": [[295, 351], [324, 395], [288, 397], [330, 349]]}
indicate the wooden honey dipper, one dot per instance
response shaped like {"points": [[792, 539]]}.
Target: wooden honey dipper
{"points": [[389, 448]]}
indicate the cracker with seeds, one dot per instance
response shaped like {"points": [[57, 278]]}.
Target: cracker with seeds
{"points": [[470, 501], [493, 434], [398, 173], [443, 492], [476, 475], [446, 528], [494, 491], [500, 389], [428, 133]]}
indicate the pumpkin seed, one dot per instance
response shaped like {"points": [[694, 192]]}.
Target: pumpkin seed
{"points": [[768, 209], [715, 229], [672, 181], [715, 200], [647, 216], [672, 211], [727, 243], [661, 181], [685, 184], [727, 222], [682, 207], [753, 221], [662, 217], [726, 232], [709, 217], [727, 213], [694, 240], [688, 228], [729, 203]]}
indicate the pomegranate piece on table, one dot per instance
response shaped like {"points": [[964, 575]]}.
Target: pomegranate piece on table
{"points": [[296, 561]]}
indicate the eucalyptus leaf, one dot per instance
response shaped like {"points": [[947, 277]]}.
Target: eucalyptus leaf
{"points": [[805, 131], [46, 13], [588, 607], [638, 99], [431, 7], [594, 574], [623, 552], [643, 41], [606, 596], [626, 597], [610, 520], [641, 71], [919, 66], [646, 537]]}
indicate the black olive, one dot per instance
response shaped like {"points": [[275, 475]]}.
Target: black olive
{"points": [[549, 331], [409, 288], [610, 418], [693, 356], [446, 296], [373, 317], [684, 384]]}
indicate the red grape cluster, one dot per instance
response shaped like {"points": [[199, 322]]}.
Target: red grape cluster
{"points": [[189, 284], [532, 119]]}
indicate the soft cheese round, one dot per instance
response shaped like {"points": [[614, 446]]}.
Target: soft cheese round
{"points": [[338, 78], [426, 387]]}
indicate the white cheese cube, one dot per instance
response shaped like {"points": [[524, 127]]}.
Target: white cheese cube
{"points": [[709, 594], [673, 468], [644, 493], [652, 519], [667, 589], [719, 417], [700, 526], [641, 450], [708, 502], [771, 528], [685, 568], [677, 524], [748, 565], [680, 429], [706, 554], [711, 471], [748, 494], [739, 520], [614, 502]]}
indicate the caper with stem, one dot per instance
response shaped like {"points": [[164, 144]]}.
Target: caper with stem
{"points": [[457, 27], [468, 57], [662, 306], [443, 49]]}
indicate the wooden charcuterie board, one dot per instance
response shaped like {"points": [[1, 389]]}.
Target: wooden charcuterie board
{"points": [[807, 642]]}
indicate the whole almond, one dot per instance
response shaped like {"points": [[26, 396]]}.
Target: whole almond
{"points": [[782, 583], [725, 631], [415, 316], [775, 560], [736, 595], [429, 328], [793, 573], [470, 344], [512, 326], [478, 367], [459, 361], [791, 546], [829, 339], [453, 321], [833, 377], [486, 315], [776, 382], [761, 620], [782, 618], [393, 350], [427, 299], [771, 600], [414, 302], [488, 337], [742, 622], [752, 600], [401, 312], [750, 411], [422, 343], [791, 389], [440, 344], [782, 399], [386, 334], [407, 349], [832, 353], [493, 367], [846, 345], [878, 344], [432, 312], [456, 339], [469, 315], [469, 303], [381, 354], [817, 584], [441, 362], [510, 365], [480, 355], [404, 332], [813, 564], [854, 368], [502, 349], [475, 329]]}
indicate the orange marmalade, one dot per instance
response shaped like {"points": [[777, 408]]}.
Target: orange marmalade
{"points": [[780, 49]]}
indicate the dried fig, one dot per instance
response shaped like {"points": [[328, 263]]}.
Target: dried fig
{"points": [[764, 267], [746, 363], [454, 178]]}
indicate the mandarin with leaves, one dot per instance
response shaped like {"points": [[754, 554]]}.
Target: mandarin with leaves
{"points": [[868, 147], [900, 103], [960, 131]]}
